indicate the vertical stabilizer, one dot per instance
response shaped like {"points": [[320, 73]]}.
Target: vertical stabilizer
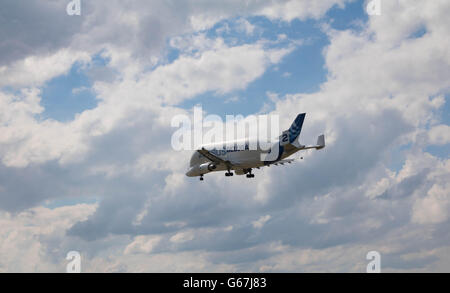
{"points": [[296, 127]]}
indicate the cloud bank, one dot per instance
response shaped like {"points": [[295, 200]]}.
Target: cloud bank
{"points": [[107, 183]]}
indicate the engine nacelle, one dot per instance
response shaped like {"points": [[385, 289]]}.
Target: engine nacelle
{"points": [[207, 167]]}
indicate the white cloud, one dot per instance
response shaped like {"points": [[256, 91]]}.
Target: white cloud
{"points": [[219, 70], [439, 135], [434, 207], [301, 9], [21, 249], [25, 139], [245, 26], [79, 90], [35, 71], [142, 244], [182, 237], [261, 221]]}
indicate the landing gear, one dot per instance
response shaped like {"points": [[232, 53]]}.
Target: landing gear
{"points": [[249, 174], [201, 177], [229, 173]]}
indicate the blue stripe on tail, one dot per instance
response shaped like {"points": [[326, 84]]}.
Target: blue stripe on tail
{"points": [[296, 127]]}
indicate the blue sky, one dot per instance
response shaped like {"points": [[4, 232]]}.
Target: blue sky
{"points": [[59, 100], [301, 71], [65, 96]]}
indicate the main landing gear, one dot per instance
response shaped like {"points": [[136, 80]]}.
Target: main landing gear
{"points": [[229, 173], [249, 174], [201, 177]]}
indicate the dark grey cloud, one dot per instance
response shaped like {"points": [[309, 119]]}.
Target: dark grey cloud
{"points": [[34, 27], [22, 188], [408, 186]]}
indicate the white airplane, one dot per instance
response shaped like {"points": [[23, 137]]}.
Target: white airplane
{"points": [[236, 155]]}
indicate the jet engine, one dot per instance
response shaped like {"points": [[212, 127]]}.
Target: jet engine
{"points": [[207, 167]]}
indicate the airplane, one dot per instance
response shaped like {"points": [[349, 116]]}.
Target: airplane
{"points": [[236, 155]]}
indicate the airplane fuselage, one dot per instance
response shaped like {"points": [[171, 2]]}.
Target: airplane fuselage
{"points": [[242, 156]]}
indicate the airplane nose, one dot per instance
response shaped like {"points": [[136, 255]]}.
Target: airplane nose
{"points": [[190, 172]]}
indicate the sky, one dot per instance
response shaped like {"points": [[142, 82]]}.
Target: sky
{"points": [[86, 163]]}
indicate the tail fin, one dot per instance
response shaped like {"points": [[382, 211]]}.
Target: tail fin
{"points": [[296, 127]]}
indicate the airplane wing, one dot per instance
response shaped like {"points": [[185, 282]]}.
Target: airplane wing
{"points": [[213, 158], [280, 162]]}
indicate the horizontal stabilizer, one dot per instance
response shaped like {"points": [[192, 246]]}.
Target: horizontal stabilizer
{"points": [[320, 142]]}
